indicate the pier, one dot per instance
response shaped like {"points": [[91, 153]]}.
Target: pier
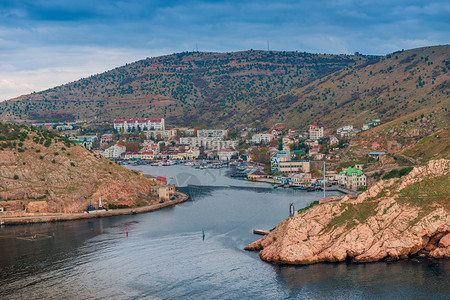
{"points": [[261, 232]]}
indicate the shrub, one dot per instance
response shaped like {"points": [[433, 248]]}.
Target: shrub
{"points": [[37, 150], [16, 177], [53, 161], [41, 157], [72, 164], [56, 153]]}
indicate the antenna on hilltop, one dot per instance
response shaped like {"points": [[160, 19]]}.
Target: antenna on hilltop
{"points": [[268, 48], [196, 47]]}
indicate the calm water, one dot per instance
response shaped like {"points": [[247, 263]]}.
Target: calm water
{"points": [[165, 257]]}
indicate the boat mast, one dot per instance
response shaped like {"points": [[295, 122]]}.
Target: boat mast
{"points": [[324, 179]]}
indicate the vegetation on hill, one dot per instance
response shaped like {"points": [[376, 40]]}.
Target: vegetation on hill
{"points": [[43, 172], [186, 88], [388, 87]]}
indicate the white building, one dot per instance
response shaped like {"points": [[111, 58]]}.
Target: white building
{"points": [[315, 132], [129, 125], [352, 178], [114, 151], [262, 137], [164, 134], [220, 133], [209, 143], [226, 154]]}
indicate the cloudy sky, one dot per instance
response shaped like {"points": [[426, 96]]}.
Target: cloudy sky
{"points": [[50, 42]]}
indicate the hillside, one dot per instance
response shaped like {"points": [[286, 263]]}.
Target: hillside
{"points": [[393, 86], [186, 88], [395, 219], [43, 172]]}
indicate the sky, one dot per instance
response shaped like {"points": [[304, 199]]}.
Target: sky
{"points": [[46, 43]]}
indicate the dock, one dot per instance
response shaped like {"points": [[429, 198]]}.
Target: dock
{"points": [[261, 232]]}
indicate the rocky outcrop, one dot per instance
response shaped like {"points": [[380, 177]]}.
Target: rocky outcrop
{"points": [[394, 219]]}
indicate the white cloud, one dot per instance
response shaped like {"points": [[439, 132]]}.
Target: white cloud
{"points": [[36, 69]]}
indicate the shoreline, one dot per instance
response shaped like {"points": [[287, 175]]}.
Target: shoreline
{"points": [[62, 217]]}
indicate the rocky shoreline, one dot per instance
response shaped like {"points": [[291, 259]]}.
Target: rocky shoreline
{"points": [[60, 217], [395, 219]]}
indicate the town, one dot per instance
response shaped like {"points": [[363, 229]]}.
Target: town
{"points": [[311, 159]]}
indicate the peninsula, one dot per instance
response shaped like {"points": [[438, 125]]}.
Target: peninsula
{"points": [[394, 219]]}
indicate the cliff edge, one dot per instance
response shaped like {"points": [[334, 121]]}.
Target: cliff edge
{"points": [[394, 219]]}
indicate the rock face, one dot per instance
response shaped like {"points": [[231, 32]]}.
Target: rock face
{"points": [[44, 173], [394, 219]]}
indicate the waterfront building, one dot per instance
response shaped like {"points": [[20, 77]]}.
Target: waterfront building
{"points": [[315, 132], [352, 178], [284, 155], [129, 125], [226, 154], [294, 166], [209, 143]]}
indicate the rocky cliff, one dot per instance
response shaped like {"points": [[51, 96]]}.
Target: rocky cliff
{"points": [[394, 219], [41, 172]]}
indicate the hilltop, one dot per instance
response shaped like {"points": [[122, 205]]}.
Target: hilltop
{"points": [[186, 88], [42, 172], [394, 219], [388, 87]]}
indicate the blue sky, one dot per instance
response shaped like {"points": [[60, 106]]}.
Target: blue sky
{"points": [[45, 43]]}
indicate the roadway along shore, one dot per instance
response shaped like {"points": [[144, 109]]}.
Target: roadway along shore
{"points": [[30, 219]]}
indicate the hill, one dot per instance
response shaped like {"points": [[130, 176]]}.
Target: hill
{"points": [[186, 88], [395, 219], [43, 172], [388, 87]]}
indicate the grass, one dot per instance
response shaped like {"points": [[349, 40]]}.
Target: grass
{"points": [[353, 215], [314, 203]]}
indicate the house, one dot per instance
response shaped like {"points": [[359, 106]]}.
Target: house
{"points": [[226, 154], [352, 178], [334, 140], [311, 143], [106, 139], [292, 132], [256, 175], [262, 137], [315, 132], [377, 155], [114, 151], [344, 131], [166, 192]]}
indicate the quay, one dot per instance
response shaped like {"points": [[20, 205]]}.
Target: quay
{"points": [[59, 217], [261, 232]]}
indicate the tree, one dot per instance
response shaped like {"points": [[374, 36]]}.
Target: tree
{"points": [[132, 147]]}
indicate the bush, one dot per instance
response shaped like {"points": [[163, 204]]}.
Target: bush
{"points": [[37, 150], [56, 153], [16, 177], [53, 161], [41, 157], [72, 164], [20, 150]]}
